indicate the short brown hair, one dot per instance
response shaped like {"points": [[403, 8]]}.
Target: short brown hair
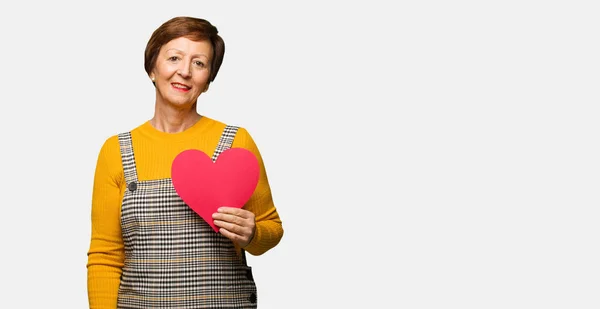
{"points": [[195, 29]]}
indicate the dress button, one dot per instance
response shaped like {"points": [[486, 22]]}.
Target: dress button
{"points": [[132, 186], [252, 298]]}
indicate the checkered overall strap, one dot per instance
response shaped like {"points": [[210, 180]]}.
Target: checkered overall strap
{"points": [[128, 159], [226, 140], [225, 143]]}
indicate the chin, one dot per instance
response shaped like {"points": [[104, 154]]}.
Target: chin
{"points": [[183, 104], [183, 101]]}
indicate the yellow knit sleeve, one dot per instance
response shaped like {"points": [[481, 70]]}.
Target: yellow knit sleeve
{"points": [[106, 253], [269, 229]]}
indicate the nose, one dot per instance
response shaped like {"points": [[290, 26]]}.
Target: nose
{"points": [[184, 71]]}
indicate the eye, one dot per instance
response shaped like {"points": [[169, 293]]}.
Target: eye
{"points": [[173, 58], [199, 63]]}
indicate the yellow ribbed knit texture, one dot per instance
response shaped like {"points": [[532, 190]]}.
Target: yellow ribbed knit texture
{"points": [[154, 151]]}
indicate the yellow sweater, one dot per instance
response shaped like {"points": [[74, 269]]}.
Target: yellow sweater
{"points": [[154, 151]]}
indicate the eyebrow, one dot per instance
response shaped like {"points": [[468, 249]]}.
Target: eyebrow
{"points": [[193, 56]]}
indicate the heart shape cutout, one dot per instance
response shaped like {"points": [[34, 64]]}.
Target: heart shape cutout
{"points": [[205, 185]]}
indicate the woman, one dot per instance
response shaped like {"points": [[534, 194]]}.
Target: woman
{"points": [[148, 248]]}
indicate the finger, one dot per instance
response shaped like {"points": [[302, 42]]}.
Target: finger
{"points": [[235, 211], [234, 233], [232, 227], [240, 240], [232, 236], [229, 218]]}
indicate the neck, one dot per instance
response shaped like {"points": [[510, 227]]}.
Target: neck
{"points": [[174, 120]]}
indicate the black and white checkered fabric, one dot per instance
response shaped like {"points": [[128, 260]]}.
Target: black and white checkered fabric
{"points": [[173, 258], [225, 141], [127, 157]]}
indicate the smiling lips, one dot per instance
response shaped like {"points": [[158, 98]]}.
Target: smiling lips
{"points": [[180, 87]]}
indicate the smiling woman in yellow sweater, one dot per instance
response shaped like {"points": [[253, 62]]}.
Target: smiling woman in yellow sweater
{"points": [[148, 248]]}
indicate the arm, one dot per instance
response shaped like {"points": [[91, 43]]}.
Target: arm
{"points": [[269, 229], [106, 255], [256, 227]]}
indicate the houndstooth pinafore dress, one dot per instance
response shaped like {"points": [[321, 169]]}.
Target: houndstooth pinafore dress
{"points": [[173, 258]]}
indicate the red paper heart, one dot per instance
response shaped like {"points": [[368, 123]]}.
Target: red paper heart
{"points": [[205, 186]]}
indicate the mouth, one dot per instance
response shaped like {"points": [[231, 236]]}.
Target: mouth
{"points": [[180, 87]]}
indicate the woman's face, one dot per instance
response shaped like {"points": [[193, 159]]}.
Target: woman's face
{"points": [[182, 71]]}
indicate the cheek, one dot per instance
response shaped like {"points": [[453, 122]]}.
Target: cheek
{"points": [[164, 70], [201, 79]]}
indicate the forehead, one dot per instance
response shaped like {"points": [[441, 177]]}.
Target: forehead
{"points": [[188, 47]]}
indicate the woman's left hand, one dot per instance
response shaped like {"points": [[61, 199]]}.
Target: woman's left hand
{"points": [[236, 224]]}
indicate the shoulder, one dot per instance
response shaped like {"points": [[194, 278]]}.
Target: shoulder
{"points": [[110, 152], [212, 121], [215, 125], [220, 127], [243, 139], [111, 147], [110, 144]]}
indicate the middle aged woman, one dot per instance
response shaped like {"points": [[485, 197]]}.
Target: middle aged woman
{"points": [[148, 248]]}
